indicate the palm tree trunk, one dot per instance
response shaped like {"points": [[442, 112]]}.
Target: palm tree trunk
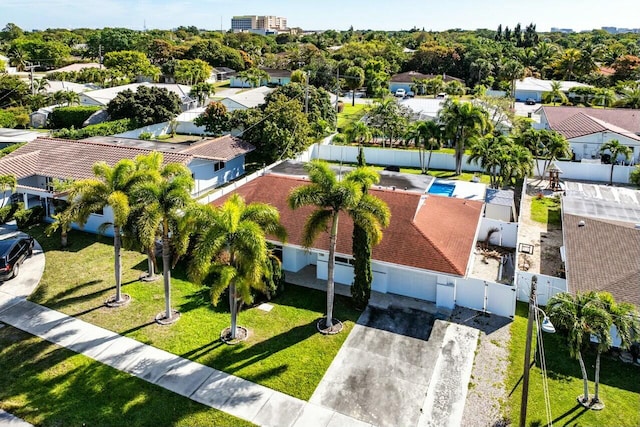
{"points": [[429, 161], [332, 255], [353, 98], [116, 262], [63, 238], [233, 307], [611, 174], [595, 396], [166, 269], [585, 397], [151, 268]]}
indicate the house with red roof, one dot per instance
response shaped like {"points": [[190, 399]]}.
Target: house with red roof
{"points": [[426, 252], [587, 129], [39, 163]]}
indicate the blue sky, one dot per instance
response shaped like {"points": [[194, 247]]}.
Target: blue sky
{"points": [[326, 14]]}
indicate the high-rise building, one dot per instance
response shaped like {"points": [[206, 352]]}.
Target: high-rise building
{"points": [[262, 23]]}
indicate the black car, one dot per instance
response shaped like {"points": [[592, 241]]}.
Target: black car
{"points": [[530, 101], [13, 252]]}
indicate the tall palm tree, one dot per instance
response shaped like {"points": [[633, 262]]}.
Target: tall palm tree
{"points": [[630, 96], [165, 199], [71, 97], [7, 182], [616, 150], [555, 146], [426, 135], [354, 80], [555, 94], [512, 70], [566, 65], [231, 241], [331, 198], [254, 76], [462, 121], [577, 318], [624, 317], [606, 97], [112, 187], [518, 163]]}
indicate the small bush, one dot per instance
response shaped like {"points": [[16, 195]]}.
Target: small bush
{"points": [[145, 136], [27, 217], [635, 176], [66, 117], [7, 212], [7, 119], [10, 148]]}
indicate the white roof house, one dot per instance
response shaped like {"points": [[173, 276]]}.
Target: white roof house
{"points": [[423, 108], [102, 97], [533, 88], [246, 99], [59, 85]]}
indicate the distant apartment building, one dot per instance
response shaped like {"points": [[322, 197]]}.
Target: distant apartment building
{"points": [[259, 24], [562, 30], [618, 30]]}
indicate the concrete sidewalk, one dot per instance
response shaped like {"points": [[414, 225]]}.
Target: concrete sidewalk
{"points": [[8, 420], [200, 383]]}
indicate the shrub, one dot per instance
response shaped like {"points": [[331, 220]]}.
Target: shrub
{"points": [[27, 217], [7, 212], [66, 117], [145, 136], [101, 129], [635, 176], [7, 119], [10, 148]]}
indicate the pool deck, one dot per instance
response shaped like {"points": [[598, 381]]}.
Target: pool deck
{"points": [[465, 189]]}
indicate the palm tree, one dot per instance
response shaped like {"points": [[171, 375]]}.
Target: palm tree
{"points": [[630, 96], [555, 94], [202, 92], [606, 97], [7, 182], [332, 197], [254, 76], [426, 135], [555, 146], [624, 317], [71, 97], [462, 121], [518, 164], [231, 242], [566, 65], [512, 70], [165, 199], [112, 187], [358, 132], [577, 318], [354, 80], [616, 150]]}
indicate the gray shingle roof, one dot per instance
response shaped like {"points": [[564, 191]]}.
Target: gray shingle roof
{"points": [[499, 197], [627, 119]]}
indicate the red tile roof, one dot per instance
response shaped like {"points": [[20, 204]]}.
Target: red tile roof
{"points": [[67, 159], [439, 238], [622, 118], [225, 148]]}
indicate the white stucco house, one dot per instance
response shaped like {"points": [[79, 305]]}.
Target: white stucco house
{"points": [[533, 88], [407, 80], [37, 165], [426, 252], [587, 129]]}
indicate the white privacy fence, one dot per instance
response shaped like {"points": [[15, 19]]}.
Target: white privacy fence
{"points": [[547, 286], [389, 157], [506, 236], [495, 298], [591, 171]]}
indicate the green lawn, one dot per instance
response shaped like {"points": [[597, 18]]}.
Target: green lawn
{"points": [[350, 115], [546, 210], [283, 352], [50, 386], [619, 385]]}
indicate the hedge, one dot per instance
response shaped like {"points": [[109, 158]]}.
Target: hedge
{"points": [[26, 217], [101, 129], [10, 148], [7, 212], [66, 117]]}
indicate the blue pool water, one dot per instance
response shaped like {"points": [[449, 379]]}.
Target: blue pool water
{"points": [[442, 189]]}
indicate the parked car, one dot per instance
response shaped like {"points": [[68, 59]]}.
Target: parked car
{"points": [[410, 94], [400, 93], [13, 252], [441, 95], [530, 101]]}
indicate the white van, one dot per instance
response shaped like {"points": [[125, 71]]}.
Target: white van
{"points": [[400, 93]]}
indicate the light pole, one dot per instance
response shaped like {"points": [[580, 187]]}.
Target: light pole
{"points": [[548, 327]]}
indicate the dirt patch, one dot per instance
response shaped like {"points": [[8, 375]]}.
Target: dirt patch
{"points": [[546, 239]]}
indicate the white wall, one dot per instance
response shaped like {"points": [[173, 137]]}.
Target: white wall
{"points": [[390, 157], [481, 295], [207, 178], [500, 212], [588, 146], [547, 286], [591, 172], [294, 259], [506, 237], [155, 130]]}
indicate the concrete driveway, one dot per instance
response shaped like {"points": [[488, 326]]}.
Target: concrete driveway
{"points": [[30, 271], [398, 368]]}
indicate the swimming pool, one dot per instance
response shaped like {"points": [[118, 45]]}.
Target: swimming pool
{"points": [[441, 189]]}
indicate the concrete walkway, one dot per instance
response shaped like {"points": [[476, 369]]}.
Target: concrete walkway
{"points": [[203, 384], [8, 420]]}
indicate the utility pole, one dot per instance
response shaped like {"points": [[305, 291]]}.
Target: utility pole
{"points": [[527, 353], [30, 68], [100, 55]]}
